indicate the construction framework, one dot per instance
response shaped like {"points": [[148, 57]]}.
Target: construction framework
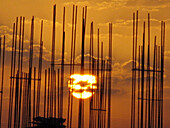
{"points": [[147, 78], [25, 86], [20, 112]]}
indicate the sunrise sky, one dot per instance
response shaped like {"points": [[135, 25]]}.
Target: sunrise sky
{"points": [[101, 12]]}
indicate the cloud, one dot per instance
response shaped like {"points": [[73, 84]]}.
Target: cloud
{"points": [[121, 71], [5, 30], [78, 3], [38, 20], [167, 55], [158, 3], [109, 5], [145, 5]]}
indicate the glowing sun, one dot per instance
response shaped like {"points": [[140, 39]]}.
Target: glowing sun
{"points": [[82, 86]]}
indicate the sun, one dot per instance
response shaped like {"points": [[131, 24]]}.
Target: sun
{"points": [[82, 86]]}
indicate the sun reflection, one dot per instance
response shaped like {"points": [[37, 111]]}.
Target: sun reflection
{"points": [[82, 86]]}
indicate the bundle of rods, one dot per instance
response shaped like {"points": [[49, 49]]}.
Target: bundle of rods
{"points": [[150, 86], [99, 104], [21, 82], [25, 86]]}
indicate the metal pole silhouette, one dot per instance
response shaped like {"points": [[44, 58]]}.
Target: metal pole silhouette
{"points": [[2, 80], [152, 114], [10, 94], [52, 58], [62, 67]]}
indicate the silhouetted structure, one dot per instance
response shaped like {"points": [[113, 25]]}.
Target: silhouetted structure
{"points": [[25, 86], [21, 82], [148, 78], [41, 122], [2, 76]]}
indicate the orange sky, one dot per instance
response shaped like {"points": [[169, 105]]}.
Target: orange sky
{"points": [[101, 12]]}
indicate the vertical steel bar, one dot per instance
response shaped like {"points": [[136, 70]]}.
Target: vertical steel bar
{"points": [[139, 61], [135, 57], [48, 92], [10, 98], [142, 75], [110, 75], [62, 67], [45, 87], [2, 80], [75, 27], [148, 73], [159, 106], [34, 95], [158, 111], [55, 94], [162, 72], [39, 71], [98, 88], [90, 72], [52, 57], [14, 63], [71, 61], [156, 90], [58, 92], [30, 71], [21, 73], [133, 52], [153, 86], [80, 120]]}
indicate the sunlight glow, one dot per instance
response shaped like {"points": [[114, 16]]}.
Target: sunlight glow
{"points": [[82, 86]]}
